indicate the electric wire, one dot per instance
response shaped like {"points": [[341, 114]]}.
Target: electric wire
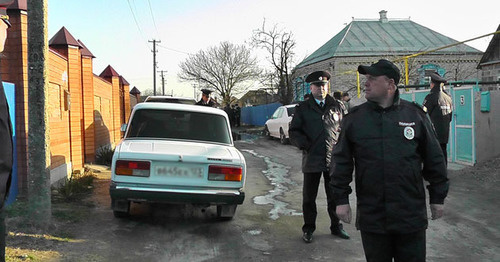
{"points": [[137, 24], [153, 18], [171, 49]]}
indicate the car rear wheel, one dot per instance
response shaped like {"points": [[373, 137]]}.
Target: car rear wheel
{"points": [[267, 133], [121, 208], [226, 212], [283, 138]]}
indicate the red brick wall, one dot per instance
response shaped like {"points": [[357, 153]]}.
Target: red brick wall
{"points": [[103, 118], [88, 109]]}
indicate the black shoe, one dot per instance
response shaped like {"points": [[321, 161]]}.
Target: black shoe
{"points": [[339, 231], [307, 237]]}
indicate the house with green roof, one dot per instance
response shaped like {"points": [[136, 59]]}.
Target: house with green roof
{"points": [[365, 41]]}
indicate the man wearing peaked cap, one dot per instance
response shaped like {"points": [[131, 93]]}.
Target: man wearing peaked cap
{"points": [[438, 105], [6, 148], [314, 129], [205, 98], [390, 145]]}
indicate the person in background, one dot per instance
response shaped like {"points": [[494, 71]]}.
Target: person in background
{"points": [[314, 129], [391, 146], [205, 98], [6, 148], [347, 100], [438, 105]]}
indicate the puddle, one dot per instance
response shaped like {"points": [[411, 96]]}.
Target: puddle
{"points": [[278, 175]]}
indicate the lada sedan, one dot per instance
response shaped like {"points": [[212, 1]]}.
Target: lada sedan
{"points": [[176, 153]]}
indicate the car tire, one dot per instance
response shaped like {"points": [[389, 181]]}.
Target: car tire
{"points": [[267, 133], [120, 214], [283, 139], [226, 212]]}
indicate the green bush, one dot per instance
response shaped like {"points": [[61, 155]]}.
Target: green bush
{"points": [[104, 155], [78, 184]]}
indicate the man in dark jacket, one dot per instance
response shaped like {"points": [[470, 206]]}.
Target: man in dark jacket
{"points": [[6, 149], [205, 99], [391, 145], [314, 129], [439, 107]]}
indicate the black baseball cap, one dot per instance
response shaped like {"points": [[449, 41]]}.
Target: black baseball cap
{"points": [[382, 67]]}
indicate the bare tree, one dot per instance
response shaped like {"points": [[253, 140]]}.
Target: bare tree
{"points": [[280, 47], [225, 68]]}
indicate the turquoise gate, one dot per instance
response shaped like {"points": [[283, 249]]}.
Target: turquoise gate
{"points": [[462, 144]]}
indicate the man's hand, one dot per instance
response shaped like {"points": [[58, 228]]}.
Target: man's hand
{"points": [[436, 211], [344, 213]]}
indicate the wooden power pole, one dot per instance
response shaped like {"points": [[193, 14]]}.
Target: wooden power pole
{"points": [[38, 122]]}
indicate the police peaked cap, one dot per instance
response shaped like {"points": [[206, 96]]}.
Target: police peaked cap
{"points": [[206, 91], [436, 78], [382, 67], [3, 10], [318, 77]]}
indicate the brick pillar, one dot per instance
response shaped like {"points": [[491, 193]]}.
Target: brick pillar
{"points": [[115, 128], [88, 108], [126, 100], [76, 108], [14, 69]]}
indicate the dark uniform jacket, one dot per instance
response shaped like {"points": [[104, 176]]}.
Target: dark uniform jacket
{"points": [[315, 131], [392, 151], [6, 154], [438, 105], [202, 103]]}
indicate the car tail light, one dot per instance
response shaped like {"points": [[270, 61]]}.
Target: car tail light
{"points": [[132, 168], [225, 173]]}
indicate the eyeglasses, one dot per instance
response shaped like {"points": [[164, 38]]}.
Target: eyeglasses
{"points": [[5, 18]]}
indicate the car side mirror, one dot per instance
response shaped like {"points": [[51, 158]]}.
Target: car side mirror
{"points": [[123, 128]]}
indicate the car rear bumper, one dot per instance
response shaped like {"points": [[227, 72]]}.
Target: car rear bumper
{"points": [[186, 195]]}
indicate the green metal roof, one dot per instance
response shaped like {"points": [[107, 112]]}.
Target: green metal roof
{"points": [[376, 38]]}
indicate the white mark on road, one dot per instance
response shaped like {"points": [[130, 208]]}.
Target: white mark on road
{"points": [[278, 175]]}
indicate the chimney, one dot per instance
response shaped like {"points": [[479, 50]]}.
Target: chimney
{"points": [[383, 16]]}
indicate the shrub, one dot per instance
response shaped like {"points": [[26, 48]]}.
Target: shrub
{"points": [[78, 184], [104, 155]]}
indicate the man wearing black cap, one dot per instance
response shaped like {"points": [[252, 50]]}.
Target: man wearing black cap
{"points": [[205, 99], [314, 129], [392, 147], [439, 107], [6, 149]]}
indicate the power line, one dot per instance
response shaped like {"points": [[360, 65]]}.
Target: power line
{"points": [[171, 49], [152, 17], [136, 23]]}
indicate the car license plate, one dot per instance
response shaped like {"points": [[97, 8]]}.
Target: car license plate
{"points": [[179, 171]]}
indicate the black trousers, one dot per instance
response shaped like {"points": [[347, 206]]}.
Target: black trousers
{"points": [[309, 194], [445, 152], [3, 233], [402, 247]]}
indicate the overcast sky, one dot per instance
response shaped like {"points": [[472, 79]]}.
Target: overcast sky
{"points": [[117, 31]]}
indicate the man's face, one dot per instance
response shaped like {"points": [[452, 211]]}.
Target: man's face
{"points": [[205, 97], [377, 88], [319, 90], [3, 34]]}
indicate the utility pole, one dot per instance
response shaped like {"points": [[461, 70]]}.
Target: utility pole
{"points": [[154, 63], [38, 118], [162, 81]]}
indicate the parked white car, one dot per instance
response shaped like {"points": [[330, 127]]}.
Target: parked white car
{"points": [[177, 153], [277, 125]]}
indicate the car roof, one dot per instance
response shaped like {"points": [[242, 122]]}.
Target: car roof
{"points": [[180, 107], [291, 105], [167, 99]]}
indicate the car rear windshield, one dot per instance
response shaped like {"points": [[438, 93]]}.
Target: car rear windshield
{"points": [[183, 125]]}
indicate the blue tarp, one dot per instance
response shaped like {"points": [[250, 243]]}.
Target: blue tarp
{"points": [[9, 89], [258, 115]]}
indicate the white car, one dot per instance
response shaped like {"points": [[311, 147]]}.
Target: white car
{"points": [[277, 125], [176, 153]]}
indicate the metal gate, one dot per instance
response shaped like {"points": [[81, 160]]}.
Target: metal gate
{"points": [[461, 145]]}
